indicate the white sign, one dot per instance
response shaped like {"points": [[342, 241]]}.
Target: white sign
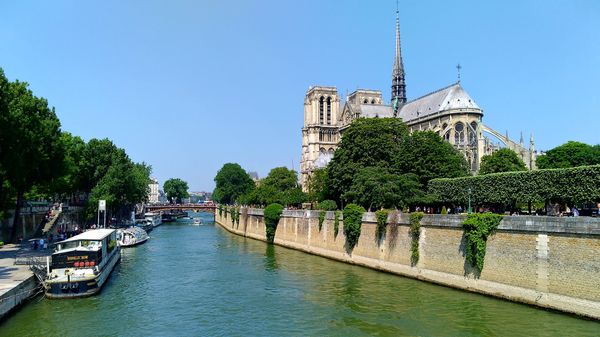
{"points": [[102, 205]]}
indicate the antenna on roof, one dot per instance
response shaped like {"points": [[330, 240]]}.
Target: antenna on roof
{"points": [[458, 68]]}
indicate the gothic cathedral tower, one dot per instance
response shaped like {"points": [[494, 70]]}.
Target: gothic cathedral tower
{"points": [[320, 134]]}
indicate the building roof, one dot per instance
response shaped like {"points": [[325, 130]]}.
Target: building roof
{"points": [[92, 235], [452, 97]]}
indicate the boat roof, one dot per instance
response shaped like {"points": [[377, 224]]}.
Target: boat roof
{"points": [[94, 235]]}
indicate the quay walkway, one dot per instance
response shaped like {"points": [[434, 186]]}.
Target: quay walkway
{"points": [[17, 281]]}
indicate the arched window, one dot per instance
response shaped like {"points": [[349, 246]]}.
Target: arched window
{"points": [[372, 101], [447, 136], [328, 110], [473, 133], [321, 110], [365, 101], [459, 133]]}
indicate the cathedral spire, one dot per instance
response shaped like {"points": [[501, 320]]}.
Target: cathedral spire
{"points": [[398, 83]]}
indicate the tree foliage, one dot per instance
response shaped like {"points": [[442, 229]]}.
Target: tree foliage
{"points": [[571, 185], [281, 178], [231, 182], [377, 187], [176, 189], [279, 186], [379, 164], [503, 160], [317, 185], [570, 154]]}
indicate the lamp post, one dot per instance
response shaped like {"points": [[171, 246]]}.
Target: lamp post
{"points": [[469, 210]]}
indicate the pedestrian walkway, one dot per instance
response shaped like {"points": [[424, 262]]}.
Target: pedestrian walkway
{"points": [[17, 282]]}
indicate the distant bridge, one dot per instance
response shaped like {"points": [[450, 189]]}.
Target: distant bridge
{"points": [[182, 207]]}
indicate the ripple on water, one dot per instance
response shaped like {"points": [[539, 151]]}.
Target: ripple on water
{"points": [[203, 281]]}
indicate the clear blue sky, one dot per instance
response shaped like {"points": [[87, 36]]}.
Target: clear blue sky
{"points": [[187, 86]]}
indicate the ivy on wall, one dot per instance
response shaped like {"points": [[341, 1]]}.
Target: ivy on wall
{"points": [[478, 227], [336, 223], [321, 219], [352, 224], [272, 214], [381, 216], [415, 234]]}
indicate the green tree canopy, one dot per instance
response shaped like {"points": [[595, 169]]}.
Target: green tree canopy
{"points": [[570, 154], [377, 187], [317, 185], [176, 189], [503, 160], [231, 182], [281, 178], [385, 147], [31, 151]]}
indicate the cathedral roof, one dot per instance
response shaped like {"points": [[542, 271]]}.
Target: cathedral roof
{"points": [[375, 110], [452, 97]]}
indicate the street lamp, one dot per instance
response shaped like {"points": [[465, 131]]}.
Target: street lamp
{"points": [[469, 210]]}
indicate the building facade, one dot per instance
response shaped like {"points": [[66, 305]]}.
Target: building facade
{"points": [[449, 112], [153, 194]]}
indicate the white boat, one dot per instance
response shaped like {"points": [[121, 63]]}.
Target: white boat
{"points": [[197, 222], [154, 218], [81, 264], [131, 236]]}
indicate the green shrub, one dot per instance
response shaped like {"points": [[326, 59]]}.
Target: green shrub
{"points": [[272, 214], [327, 205], [415, 234], [444, 210], [352, 224], [477, 228], [336, 223], [321, 219], [220, 210], [570, 185], [381, 216]]}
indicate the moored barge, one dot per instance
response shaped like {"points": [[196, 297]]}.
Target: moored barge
{"points": [[82, 264]]}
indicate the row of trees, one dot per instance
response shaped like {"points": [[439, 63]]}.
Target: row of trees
{"points": [[234, 185], [39, 161]]}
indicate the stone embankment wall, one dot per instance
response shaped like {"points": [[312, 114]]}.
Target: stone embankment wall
{"points": [[544, 261]]}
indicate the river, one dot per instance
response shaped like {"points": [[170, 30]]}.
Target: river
{"points": [[204, 281]]}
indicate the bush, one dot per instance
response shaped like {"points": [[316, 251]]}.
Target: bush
{"points": [[415, 234], [478, 227], [352, 224], [272, 214], [381, 216], [327, 205]]}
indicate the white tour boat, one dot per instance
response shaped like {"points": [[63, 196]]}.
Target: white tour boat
{"points": [[197, 222], [154, 218], [131, 236], [81, 264]]}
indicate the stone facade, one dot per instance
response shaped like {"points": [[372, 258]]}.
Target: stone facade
{"points": [[153, 194], [450, 112], [543, 261]]}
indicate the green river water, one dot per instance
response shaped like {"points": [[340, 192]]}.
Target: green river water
{"points": [[204, 281]]}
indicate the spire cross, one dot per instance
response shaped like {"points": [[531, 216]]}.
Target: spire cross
{"points": [[458, 68]]}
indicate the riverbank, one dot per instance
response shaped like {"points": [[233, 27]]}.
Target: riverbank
{"points": [[543, 261], [17, 282]]}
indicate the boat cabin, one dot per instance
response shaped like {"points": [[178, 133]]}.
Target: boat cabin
{"points": [[85, 250]]}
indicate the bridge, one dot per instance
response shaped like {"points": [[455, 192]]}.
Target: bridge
{"points": [[210, 208]]}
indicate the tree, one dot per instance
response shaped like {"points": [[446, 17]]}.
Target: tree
{"points": [[503, 160], [429, 156], [98, 156], [570, 154], [385, 146], [231, 182], [372, 142], [377, 187], [317, 185], [30, 148], [177, 189], [281, 178]]}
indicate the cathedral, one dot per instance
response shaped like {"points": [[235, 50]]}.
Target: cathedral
{"points": [[449, 112]]}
